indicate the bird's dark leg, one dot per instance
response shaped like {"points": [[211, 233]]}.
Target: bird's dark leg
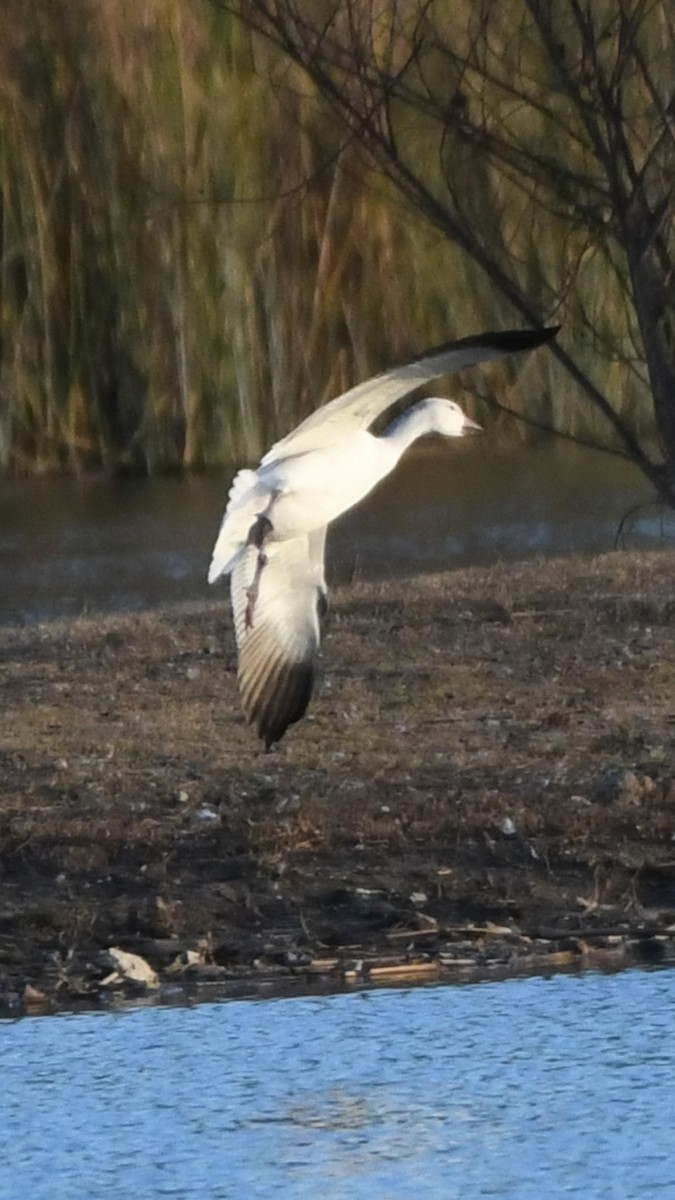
{"points": [[258, 532], [252, 591]]}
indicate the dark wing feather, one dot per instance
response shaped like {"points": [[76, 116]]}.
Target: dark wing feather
{"points": [[279, 646]]}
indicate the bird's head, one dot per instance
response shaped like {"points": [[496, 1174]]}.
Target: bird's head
{"points": [[447, 418]]}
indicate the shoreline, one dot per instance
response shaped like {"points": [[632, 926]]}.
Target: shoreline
{"points": [[485, 786]]}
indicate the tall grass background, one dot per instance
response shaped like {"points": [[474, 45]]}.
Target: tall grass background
{"points": [[192, 255]]}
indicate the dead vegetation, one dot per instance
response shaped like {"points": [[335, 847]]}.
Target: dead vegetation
{"points": [[486, 781]]}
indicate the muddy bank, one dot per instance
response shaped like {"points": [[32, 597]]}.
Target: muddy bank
{"points": [[486, 782]]}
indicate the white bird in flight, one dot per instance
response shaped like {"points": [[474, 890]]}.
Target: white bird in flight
{"points": [[272, 537]]}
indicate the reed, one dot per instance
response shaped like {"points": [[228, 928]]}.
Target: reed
{"points": [[191, 257]]}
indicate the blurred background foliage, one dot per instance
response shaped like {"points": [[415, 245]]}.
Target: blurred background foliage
{"points": [[196, 248]]}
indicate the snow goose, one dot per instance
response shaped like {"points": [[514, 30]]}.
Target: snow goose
{"points": [[272, 536]]}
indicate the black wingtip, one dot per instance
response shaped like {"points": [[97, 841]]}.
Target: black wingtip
{"points": [[513, 340], [506, 341], [284, 703]]}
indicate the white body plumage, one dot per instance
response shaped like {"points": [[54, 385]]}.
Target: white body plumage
{"points": [[271, 540]]}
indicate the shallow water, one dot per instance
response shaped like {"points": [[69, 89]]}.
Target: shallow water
{"points": [[67, 546], [529, 1088]]}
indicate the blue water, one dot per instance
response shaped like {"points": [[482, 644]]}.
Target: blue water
{"points": [[529, 1088]]}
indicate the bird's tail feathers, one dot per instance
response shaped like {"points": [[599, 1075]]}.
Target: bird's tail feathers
{"points": [[243, 485], [246, 500], [223, 559]]}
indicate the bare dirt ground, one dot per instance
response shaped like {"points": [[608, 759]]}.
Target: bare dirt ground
{"points": [[486, 783]]}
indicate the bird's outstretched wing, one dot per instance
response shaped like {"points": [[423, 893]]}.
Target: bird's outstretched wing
{"points": [[361, 405], [278, 636]]}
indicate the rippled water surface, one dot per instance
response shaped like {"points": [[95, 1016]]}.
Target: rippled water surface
{"points": [[526, 1089]]}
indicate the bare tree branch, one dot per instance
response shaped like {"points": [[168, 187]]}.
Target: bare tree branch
{"points": [[552, 107]]}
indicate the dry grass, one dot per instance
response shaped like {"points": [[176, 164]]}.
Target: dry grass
{"points": [[194, 253], [500, 741]]}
